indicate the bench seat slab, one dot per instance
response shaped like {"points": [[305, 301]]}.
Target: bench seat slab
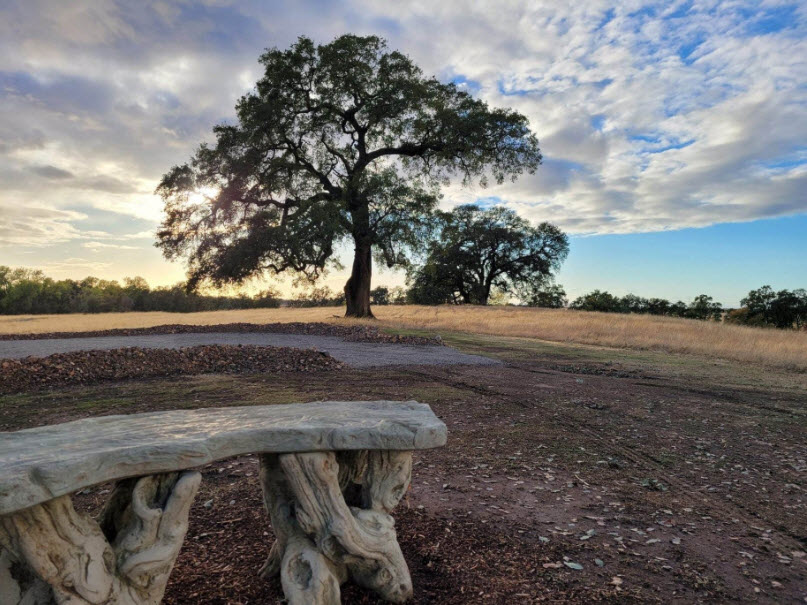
{"points": [[46, 462]]}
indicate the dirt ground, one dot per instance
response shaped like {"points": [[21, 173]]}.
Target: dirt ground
{"points": [[572, 474]]}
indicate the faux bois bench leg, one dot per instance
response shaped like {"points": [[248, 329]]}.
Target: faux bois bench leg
{"points": [[50, 553], [321, 540]]}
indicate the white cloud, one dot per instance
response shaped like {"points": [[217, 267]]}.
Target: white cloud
{"points": [[100, 246], [635, 138], [70, 266], [27, 225], [651, 115], [139, 235]]}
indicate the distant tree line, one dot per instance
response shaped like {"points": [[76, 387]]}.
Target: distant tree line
{"points": [[763, 307], [26, 291], [317, 297], [702, 307]]}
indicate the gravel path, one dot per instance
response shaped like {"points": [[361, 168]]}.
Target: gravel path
{"points": [[356, 354]]}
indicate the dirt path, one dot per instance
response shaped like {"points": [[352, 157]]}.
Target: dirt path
{"points": [[356, 354]]}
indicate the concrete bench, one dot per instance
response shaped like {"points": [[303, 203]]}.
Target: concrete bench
{"points": [[331, 473]]}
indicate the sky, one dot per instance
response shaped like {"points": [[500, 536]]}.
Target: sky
{"points": [[674, 133]]}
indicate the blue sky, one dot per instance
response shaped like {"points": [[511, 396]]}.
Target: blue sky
{"points": [[723, 260], [674, 133]]}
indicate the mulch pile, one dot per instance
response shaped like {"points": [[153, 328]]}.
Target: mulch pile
{"points": [[85, 367], [351, 333]]}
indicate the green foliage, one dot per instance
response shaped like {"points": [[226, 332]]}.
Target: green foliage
{"points": [[548, 295], [597, 301], [342, 141], [383, 295], [380, 295], [479, 251], [432, 284], [764, 307], [701, 307], [23, 291]]}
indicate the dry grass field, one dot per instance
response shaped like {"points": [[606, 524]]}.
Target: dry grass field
{"points": [[783, 349]]}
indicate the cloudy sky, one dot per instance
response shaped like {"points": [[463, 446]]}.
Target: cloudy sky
{"points": [[674, 133]]}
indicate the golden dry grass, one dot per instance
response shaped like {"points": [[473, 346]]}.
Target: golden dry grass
{"points": [[779, 348]]}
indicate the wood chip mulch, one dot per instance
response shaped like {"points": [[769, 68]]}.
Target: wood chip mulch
{"points": [[85, 367], [352, 333]]}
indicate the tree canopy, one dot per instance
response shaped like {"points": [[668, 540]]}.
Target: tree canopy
{"points": [[342, 142], [479, 251], [766, 307], [548, 295]]}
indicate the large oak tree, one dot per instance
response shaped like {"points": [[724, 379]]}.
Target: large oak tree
{"points": [[338, 142], [480, 251]]}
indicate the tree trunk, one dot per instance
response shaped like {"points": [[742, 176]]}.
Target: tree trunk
{"points": [[357, 288], [479, 294]]}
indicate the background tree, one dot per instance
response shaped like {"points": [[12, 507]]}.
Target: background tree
{"points": [[479, 250], [658, 306], [759, 303], [432, 284], [548, 295], [380, 295], [630, 303], [345, 141], [679, 309], [597, 301], [702, 307], [764, 307]]}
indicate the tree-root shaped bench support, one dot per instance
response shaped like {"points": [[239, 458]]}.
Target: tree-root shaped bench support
{"points": [[50, 553], [330, 513]]}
